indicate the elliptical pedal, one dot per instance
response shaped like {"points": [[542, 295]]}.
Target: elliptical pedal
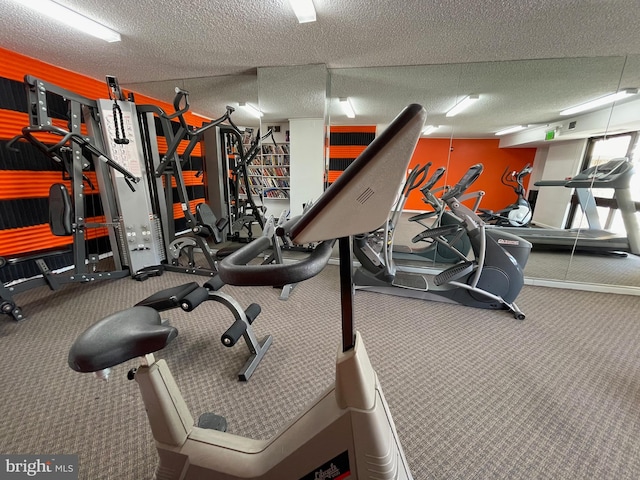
{"points": [[455, 272], [411, 281], [432, 233]]}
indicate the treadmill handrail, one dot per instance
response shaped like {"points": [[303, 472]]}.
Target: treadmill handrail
{"points": [[616, 170]]}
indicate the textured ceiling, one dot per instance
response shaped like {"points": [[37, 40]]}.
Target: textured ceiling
{"points": [[215, 48]]}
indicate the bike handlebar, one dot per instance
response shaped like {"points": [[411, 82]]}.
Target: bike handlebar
{"points": [[235, 271]]}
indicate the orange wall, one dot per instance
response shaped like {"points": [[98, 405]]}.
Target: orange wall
{"points": [[15, 66], [465, 153]]}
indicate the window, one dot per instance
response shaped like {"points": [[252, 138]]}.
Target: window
{"points": [[599, 151]]}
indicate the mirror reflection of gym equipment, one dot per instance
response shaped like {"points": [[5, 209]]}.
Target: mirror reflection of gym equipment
{"points": [[518, 213], [616, 175], [492, 278]]}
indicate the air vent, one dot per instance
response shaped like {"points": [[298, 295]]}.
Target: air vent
{"points": [[366, 195]]}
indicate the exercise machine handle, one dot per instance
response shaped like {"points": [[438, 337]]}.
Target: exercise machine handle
{"points": [[235, 331], [465, 182], [551, 183], [235, 271], [193, 299], [27, 134], [284, 229], [416, 177], [437, 175]]}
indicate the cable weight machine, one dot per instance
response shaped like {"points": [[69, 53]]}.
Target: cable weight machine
{"points": [[133, 237]]}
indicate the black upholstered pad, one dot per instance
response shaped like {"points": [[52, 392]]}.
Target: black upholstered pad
{"points": [[169, 297], [119, 337], [60, 210]]}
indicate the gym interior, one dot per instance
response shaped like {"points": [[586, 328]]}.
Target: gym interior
{"points": [[215, 152]]}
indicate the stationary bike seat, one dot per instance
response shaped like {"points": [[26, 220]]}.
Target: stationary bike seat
{"points": [[121, 336]]}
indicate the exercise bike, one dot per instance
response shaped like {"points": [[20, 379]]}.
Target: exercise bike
{"points": [[517, 214], [492, 279], [348, 431]]}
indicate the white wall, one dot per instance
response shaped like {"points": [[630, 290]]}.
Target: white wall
{"points": [[539, 162], [307, 161], [563, 160]]}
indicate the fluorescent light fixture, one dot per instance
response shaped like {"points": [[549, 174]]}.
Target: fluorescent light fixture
{"points": [[462, 105], [304, 10], [347, 107], [72, 19], [250, 108], [515, 129], [598, 102], [429, 129]]}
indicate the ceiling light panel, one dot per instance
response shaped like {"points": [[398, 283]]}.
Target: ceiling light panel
{"points": [[599, 102], [72, 19], [304, 10], [429, 129], [463, 104], [347, 108], [509, 130], [251, 109]]}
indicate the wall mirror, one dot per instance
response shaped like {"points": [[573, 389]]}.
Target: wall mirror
{"points": [[209, 96], [511, 93], [293, 105], [619, 139]]}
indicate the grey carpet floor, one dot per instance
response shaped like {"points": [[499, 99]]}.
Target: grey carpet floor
{"points": [[475, 394]]}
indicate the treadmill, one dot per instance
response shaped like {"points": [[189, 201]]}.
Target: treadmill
{"points": [[614, 174]]}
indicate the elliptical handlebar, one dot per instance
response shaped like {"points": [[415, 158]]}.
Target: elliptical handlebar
{"points": [[177, 101], [437, 175], [465, 182], [516, 177], [193, 134], [416, 177], [526, 170], [226, 117]]}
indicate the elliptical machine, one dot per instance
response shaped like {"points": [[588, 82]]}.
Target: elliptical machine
{"points": [[348, 431], [492, 279], [444, 240], [517, 214]]}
